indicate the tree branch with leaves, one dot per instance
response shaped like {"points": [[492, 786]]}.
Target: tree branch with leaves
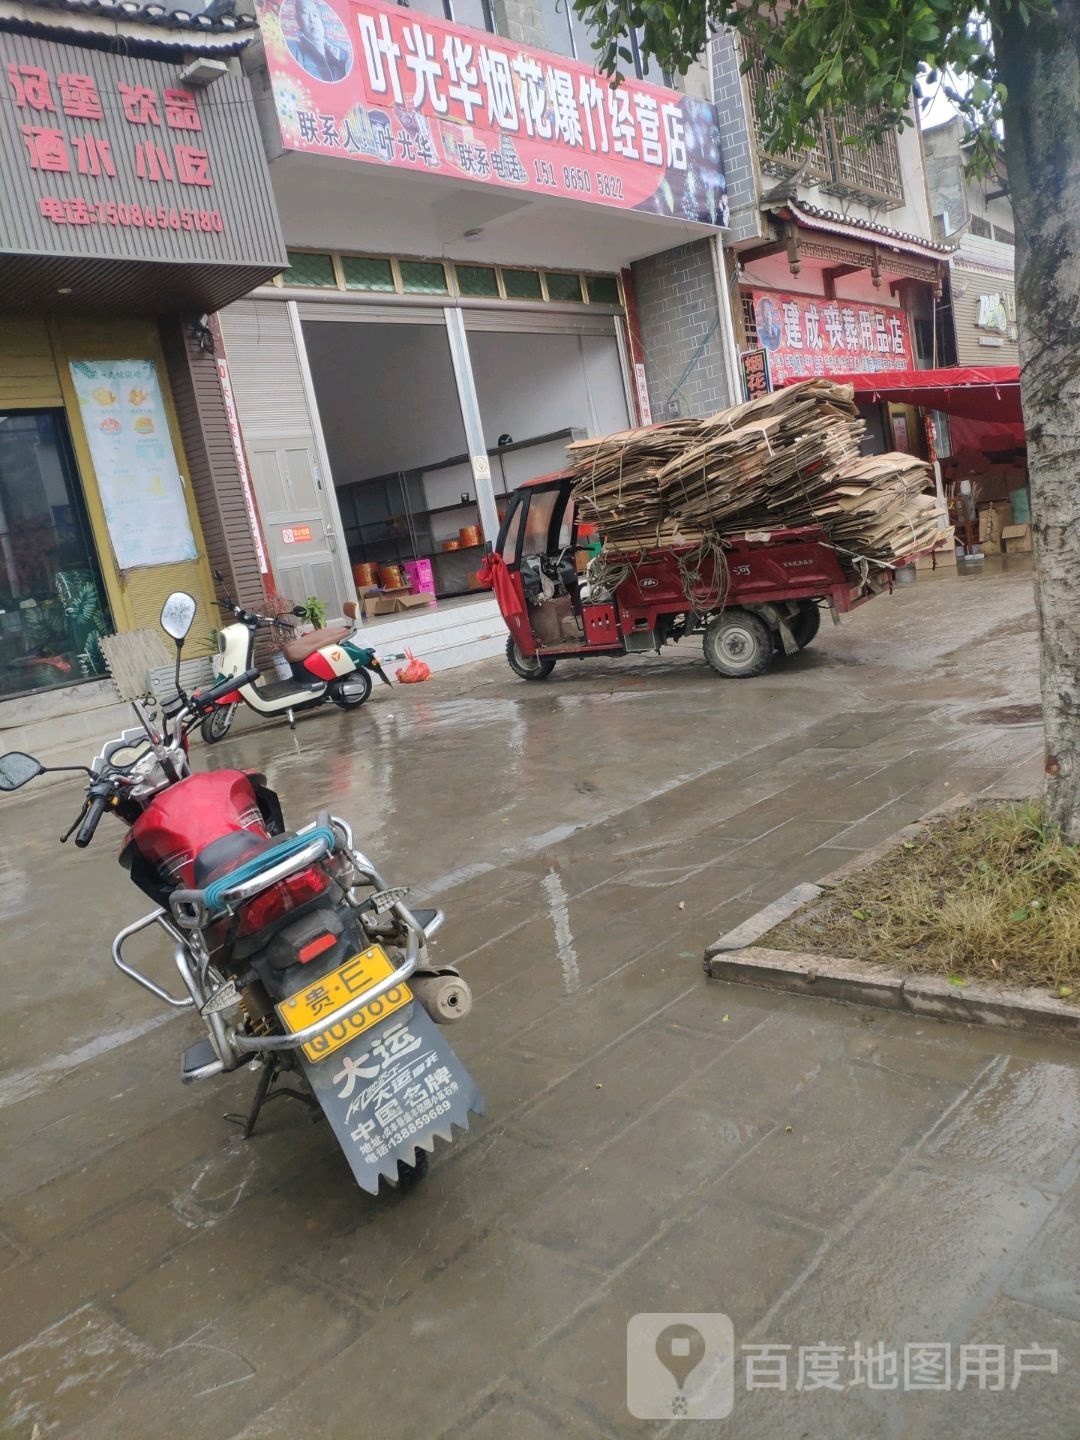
{"points": [[1011, 68]]}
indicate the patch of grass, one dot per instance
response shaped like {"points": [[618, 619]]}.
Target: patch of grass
{"points": [[987, 893]]}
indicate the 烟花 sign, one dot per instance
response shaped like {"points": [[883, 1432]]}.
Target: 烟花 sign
{"points": [[388, 85]]}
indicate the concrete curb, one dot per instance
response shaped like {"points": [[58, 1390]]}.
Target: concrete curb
{"points": [[736, 958], [759, 925], [860, 983]]}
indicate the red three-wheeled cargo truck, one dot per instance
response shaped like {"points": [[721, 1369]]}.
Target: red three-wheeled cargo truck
{"points": [[752, 597]]}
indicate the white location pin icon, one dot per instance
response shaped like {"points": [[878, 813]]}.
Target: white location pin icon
{"points": [[680, 1349]]}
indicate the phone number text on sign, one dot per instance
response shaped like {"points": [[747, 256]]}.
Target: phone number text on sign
{"points": [[100, 212]]}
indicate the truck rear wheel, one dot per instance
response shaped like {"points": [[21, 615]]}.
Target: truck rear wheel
{"points": [[529, 667], [738, 644], [806, 624]]}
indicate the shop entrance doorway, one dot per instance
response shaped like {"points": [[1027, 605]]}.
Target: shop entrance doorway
{"points": [[391, 411], [52, 607]]}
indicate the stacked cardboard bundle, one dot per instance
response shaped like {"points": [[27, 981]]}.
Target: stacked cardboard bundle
{"points": [[618, 488], [882, 511], [783, 460]]}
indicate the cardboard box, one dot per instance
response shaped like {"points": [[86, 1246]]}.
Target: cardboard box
{"points": [[379, 603], [1016, 540], [412, 602], [993, 519], [938, 559]]}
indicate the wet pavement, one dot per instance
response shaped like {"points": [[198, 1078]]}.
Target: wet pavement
{"points": [[655, 1142]]}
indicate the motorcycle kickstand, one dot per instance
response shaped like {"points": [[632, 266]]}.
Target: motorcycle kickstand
{"points": [[263, 1096]]}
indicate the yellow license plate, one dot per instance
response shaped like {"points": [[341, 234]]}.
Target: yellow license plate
{"points": [[323, 997]]}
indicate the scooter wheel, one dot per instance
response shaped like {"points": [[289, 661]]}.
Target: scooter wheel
{"points": [[409, 1176], [217, 724], [358, 689]]}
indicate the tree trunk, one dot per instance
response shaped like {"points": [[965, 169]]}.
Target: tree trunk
{"points": [[1040, 64]]}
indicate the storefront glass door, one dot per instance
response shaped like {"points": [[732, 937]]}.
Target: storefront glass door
{"points": [[52, 608]]}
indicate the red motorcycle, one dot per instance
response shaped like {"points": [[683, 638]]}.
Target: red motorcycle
{"points": [[290, 946]]}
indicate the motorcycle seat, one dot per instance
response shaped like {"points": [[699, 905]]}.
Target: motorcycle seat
{"points": [[228, 852], [305, 645]]}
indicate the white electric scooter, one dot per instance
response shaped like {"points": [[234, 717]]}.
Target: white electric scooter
{"points": [[326, 664]]}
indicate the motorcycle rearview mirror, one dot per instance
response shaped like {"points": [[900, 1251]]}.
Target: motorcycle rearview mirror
{"points": [[177, 615], [299, 612], [16, 768]]}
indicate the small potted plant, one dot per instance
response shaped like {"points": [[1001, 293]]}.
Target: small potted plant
{"points": [[316, 612]]}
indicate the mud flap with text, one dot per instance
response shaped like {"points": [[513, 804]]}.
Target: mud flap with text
{"points": [[391, 1091]]}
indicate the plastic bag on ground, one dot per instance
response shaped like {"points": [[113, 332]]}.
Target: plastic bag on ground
{"points": [[415, 671]]}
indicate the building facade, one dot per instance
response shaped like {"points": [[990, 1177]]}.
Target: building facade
{"points": [[136, 202], [976, 217], [833, 260], [472, 217]]}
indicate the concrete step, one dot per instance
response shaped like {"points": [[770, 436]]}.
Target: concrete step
{"points": [[69, 715], [457, 635]]}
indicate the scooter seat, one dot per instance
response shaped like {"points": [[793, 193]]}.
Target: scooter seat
{"points": [[305, 645]]}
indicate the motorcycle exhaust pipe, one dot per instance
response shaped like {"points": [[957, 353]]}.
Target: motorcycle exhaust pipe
{"points": [[446, 998]]}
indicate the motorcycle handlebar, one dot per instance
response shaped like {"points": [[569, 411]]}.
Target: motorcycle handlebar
{"points": [[98, 805], [208, 698]]}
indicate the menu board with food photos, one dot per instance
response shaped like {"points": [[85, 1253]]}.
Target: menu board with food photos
{"points": [[134, 460]]}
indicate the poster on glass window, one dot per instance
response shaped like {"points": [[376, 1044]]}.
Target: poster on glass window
{"points": [[807, 336], [141, 491], [386, 85]]}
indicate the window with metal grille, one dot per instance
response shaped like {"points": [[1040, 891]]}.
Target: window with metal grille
{"points": [[462, 12], [841, 154], [1006, 237], [982, 227], [423, 277], [367, 272], [567, 34], [563, 287], [309, 270], [603, 289], [478, 280], [871, 167], [760, 82], [749, 320], [522, 285]]}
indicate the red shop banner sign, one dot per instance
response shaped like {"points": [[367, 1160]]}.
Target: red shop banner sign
{"points": [[383, 84], [807, 335]]}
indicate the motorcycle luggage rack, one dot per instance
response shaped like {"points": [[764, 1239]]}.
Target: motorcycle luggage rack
{"points": [[194, 909]]}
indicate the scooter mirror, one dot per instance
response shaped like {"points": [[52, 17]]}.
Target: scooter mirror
{"points": [[177, 614], [299, 612], [16, 768]]}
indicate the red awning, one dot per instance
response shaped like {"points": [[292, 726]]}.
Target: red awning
{"points": [[991, 393]]}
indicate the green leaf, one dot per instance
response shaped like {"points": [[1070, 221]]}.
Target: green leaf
{"points": [[1064, 991], [1020, 913], [908, 845], [957, 980], [861, 914]]}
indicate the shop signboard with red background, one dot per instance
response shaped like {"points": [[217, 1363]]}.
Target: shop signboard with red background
{"points": [[807, 335], [384, 84], [111, 156], [755, 372]]}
